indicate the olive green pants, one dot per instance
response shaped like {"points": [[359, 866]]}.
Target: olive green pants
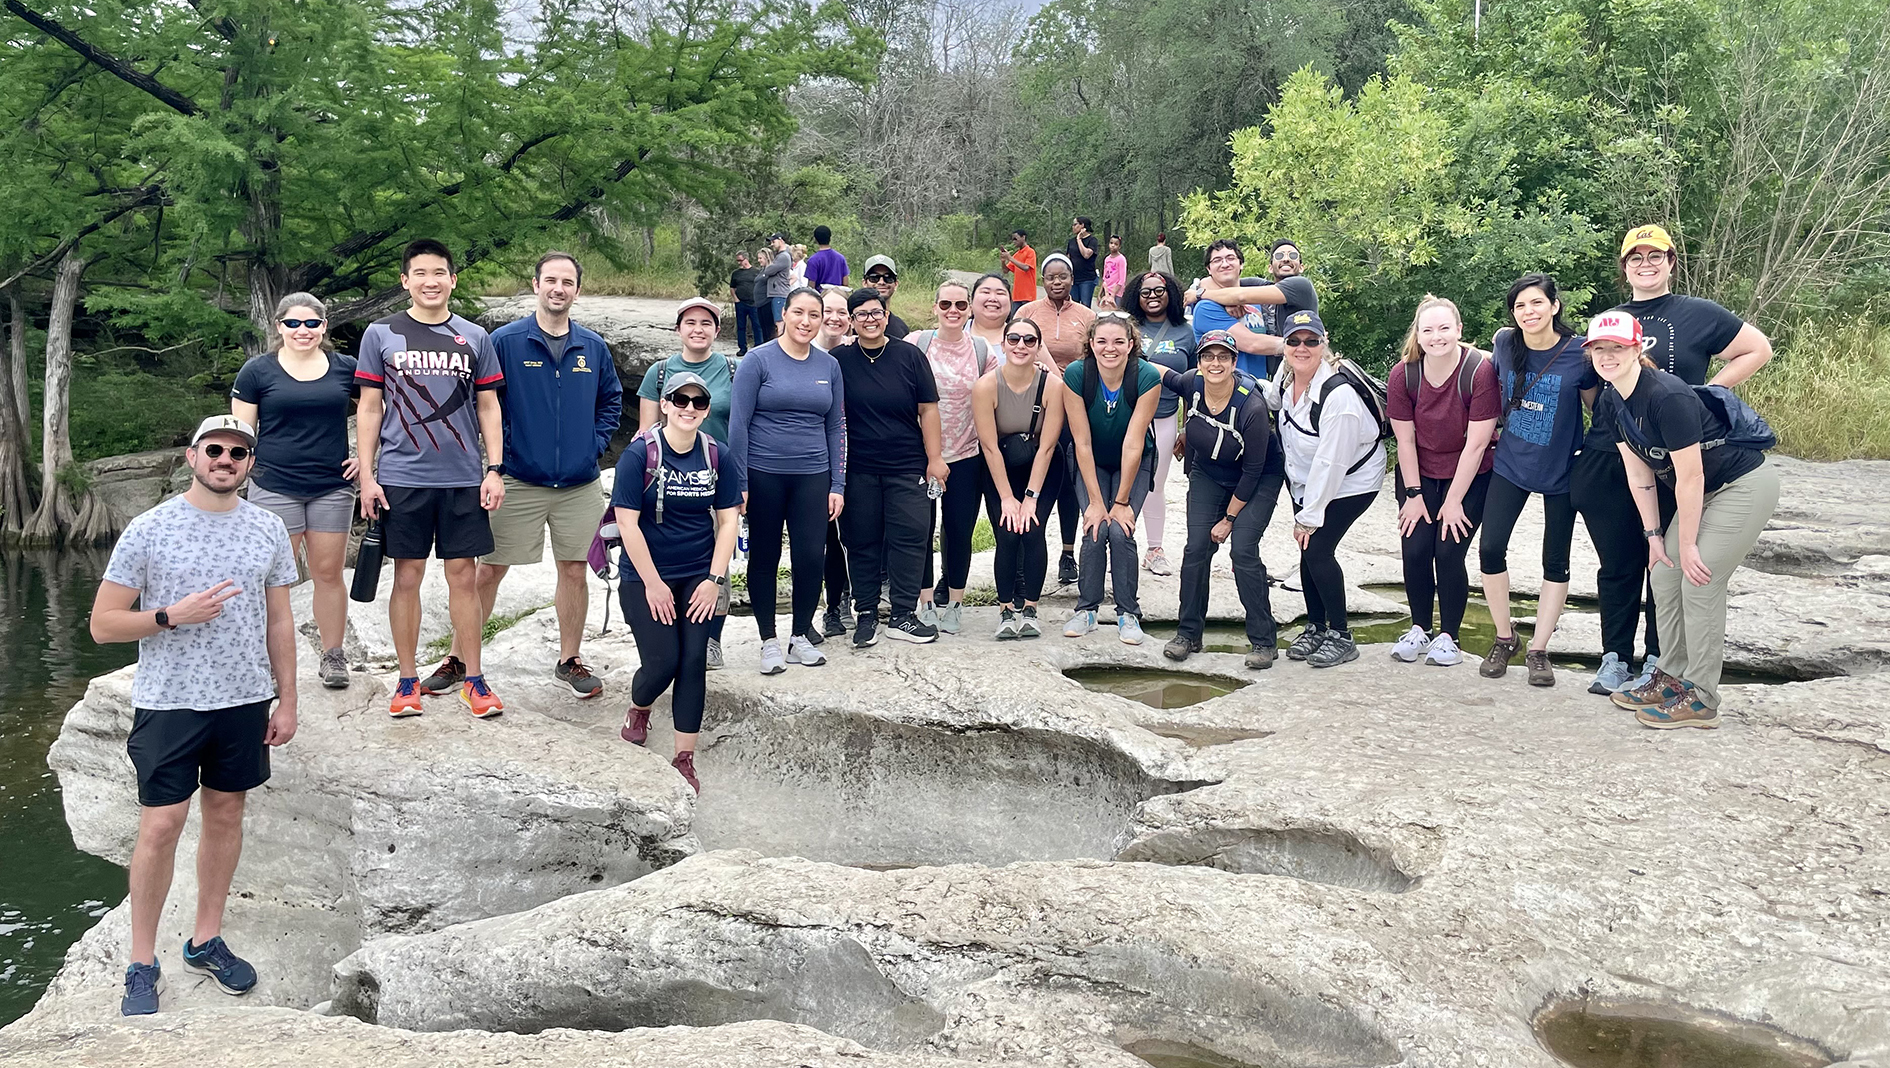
{"points": [[1692, 619]]}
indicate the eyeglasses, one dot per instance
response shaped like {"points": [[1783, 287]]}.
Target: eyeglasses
{"points": [[882, 278], [953, 305], [1213, 352], [690, 400], [1155, 291], [868, 316], [1029, 341], [297, 324], [1302, 343], [1636, 259], [239, 453], [1288, 254]]}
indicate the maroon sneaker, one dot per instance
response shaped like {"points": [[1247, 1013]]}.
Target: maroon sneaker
{"points": [[636, 726], [685, 765]]}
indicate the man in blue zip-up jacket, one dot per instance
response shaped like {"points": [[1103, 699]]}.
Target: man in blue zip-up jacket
{"points": [[562, 403]]}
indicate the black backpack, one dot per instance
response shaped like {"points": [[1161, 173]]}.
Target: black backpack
{"points": [[1345, 373]]}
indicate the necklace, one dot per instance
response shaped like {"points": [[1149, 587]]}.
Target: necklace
{"points": [[873, 357]]}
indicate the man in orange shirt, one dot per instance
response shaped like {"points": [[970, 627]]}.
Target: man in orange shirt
{"points": [[1020, 262]]}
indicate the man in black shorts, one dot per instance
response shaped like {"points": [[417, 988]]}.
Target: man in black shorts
{"points": [[210, 574], [429, 402]]}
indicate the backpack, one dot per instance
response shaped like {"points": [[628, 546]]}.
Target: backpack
{"points": [[922, 340], [608, 538], [1466, 375], [1246, 390], [1370, 390], [1745, 428]]}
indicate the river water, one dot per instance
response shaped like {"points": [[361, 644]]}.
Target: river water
{"points": [[50, 893]]}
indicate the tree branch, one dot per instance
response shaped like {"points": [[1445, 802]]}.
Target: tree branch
{"points": [[147, 196], [105, 61]]}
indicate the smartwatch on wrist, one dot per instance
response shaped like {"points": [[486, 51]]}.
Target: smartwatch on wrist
{"points": [[1031, 493], [719, 580], [1650, 532], [495, 469], [163, 619], [1412, 491]]}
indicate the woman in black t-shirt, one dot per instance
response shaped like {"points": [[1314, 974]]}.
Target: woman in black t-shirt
{"points": [[678, 519], [1723, 495]]}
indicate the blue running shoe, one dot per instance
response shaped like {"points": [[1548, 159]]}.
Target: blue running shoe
{"points": [[142, 983], [215, 960]]}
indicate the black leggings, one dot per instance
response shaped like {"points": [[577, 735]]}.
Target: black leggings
{"points": [[798, 505], [1500, 511], [1599, 491], [1434, 566], [836, 567], [957, 513], [675, 653], [1069, 511], [1319, 571], [1022, 559]]}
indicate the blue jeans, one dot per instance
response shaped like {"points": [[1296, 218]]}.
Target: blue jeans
{"points": [[751, 319], [777, 307], [1083, 292]]}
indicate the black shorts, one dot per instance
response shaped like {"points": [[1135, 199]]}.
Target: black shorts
{"points": [[176, 748], [443, 522]]}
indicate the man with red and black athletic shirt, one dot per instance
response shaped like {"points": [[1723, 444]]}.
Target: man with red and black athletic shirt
{"points": [[429, 402]]}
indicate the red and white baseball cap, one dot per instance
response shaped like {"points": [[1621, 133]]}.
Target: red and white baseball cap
{"points": [[1616, 326]]}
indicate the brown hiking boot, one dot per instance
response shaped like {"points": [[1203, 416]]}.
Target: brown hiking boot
{"points": [[685, 765], [1683, 709], [1540, 672], [1659, 690], [1502, 651]]}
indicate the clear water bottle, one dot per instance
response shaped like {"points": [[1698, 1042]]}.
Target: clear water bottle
{"points": [[741, 541], [934, 488]]}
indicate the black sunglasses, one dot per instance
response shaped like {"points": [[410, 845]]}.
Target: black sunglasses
{"points": [[1029, 341], [1297, 342], [690, 400], [882, 278], [297, 324], [239, 453], [953, 305]]}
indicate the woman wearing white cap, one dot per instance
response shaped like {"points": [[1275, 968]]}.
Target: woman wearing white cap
{"points": [[1707, 449]]}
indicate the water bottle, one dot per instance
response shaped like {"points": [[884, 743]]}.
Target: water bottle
{"points": [[934, 488], [741, 541]]}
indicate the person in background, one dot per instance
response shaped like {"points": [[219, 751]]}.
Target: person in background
{"points": [[562, 403], [1020, 262], [429, 384], [797, 274], [892, 427], [778, 278], [1266, 306], [298, 398], [1116, 394], [1684, 336], [698, 324], [1018, 409], [1161, 258], [787, 429], [1081, 253], [1154, 300], [1443, 402], [991, 309], [751, 315], [1545, 381], [1065, 324], [836, 329], [1234, 477], [958, 360], [1115, 273], [826, 267], [210, 574], [1259, 352], [1335, 465], [882, 274], [1723, 494], [679, 524]]}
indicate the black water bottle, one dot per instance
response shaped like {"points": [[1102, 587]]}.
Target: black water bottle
{"points": [[367, 565]]}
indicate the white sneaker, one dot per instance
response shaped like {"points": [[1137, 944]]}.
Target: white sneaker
{"points": [[1129, 629], [1444, 652], [772, 660], [1080, 624], [952, 618], [715, 655], [802, 652], [1413, 645], [928, 614]]}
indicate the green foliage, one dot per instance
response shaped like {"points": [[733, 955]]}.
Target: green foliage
{"points": [[1827, 392], [122, 411]]}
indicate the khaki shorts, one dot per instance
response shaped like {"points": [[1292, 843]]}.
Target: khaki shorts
{"points": [[518, 527]]}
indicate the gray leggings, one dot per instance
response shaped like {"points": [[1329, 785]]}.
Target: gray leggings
{"points": [[1111, 549]]}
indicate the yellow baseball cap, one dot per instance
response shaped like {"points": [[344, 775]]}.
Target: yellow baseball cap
{"points": [[1646, 235]]}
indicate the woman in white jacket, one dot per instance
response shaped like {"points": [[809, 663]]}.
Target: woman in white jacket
{"points": [[1335, 465]]}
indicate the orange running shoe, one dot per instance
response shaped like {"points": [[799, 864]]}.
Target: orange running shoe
{"points": [[406, 699], [479, 697]]}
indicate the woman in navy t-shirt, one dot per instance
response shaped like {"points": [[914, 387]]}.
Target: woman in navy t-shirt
{"points": [[678, 519], [1545, 380]]}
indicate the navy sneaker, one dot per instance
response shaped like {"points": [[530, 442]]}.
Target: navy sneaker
{"points": [[215, 960], [142, 983]]}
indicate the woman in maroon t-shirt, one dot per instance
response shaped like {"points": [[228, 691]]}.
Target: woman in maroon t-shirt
{"points": [[1443, 401]]}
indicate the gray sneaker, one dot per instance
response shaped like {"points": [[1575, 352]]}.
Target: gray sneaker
{"points": [[1612, 677], [1080, 623], [1027, 625], [1129, 629], [1307, 643], [1007, 625], [952, 618], [773, 660], [801, 651], [1337, 648], [1649, 668], [715, 655], [928, 614], [335, 669]]}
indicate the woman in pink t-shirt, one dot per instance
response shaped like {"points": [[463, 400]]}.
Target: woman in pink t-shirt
{"points": [[1115, 275], [958, 360], [1443, 401]]}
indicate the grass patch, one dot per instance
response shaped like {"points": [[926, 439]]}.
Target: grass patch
{"points": [[443, 644], [1827, 392], [739, 580], [982, 540], [981, 597]]}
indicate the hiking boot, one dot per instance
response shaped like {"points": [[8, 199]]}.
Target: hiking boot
{"points": [[1338, 648], [833, 623], [214, 959], [1496, 662], [1180, 647], [143, 982], [1261, 657], [801, 651], [406, 699], [1541, 673], [1648, 667], [951, 618], [1612, 678], [1129, 628], [1007, 625], [334, 669], [1066, 570], [1307, 643], [1683, 709], [1027, 625], [476, 695], [1080, 623], [910, 628], [715, 655], [773, 661], [1443, 652], [866, 630], [574, 674], [1415, 643], [1156, 563], [1658, 691], [445, 678], [636, 726], [685, 765]]}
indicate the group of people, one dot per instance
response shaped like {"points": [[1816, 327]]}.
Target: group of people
{"points": [[857, 440]]}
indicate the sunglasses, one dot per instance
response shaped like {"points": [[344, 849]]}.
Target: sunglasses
{"points": [[239, 453], [690, 400], [1287, 254], [1029, 341], [953, 305], [1304, 342], [297, 324], [882, 278], [1115, 315]]}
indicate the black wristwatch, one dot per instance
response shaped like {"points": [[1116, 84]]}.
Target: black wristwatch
{"points": [[1650, 532], [163, 619], [1413, 491], [1228, 516], [495, 469]]}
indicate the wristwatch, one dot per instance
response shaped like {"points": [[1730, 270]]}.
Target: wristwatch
{"points": [[1413, 491], [163, 619], [1228, 516], [719, 580], [1031, 493], [495, 469], [1650, 532]]}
